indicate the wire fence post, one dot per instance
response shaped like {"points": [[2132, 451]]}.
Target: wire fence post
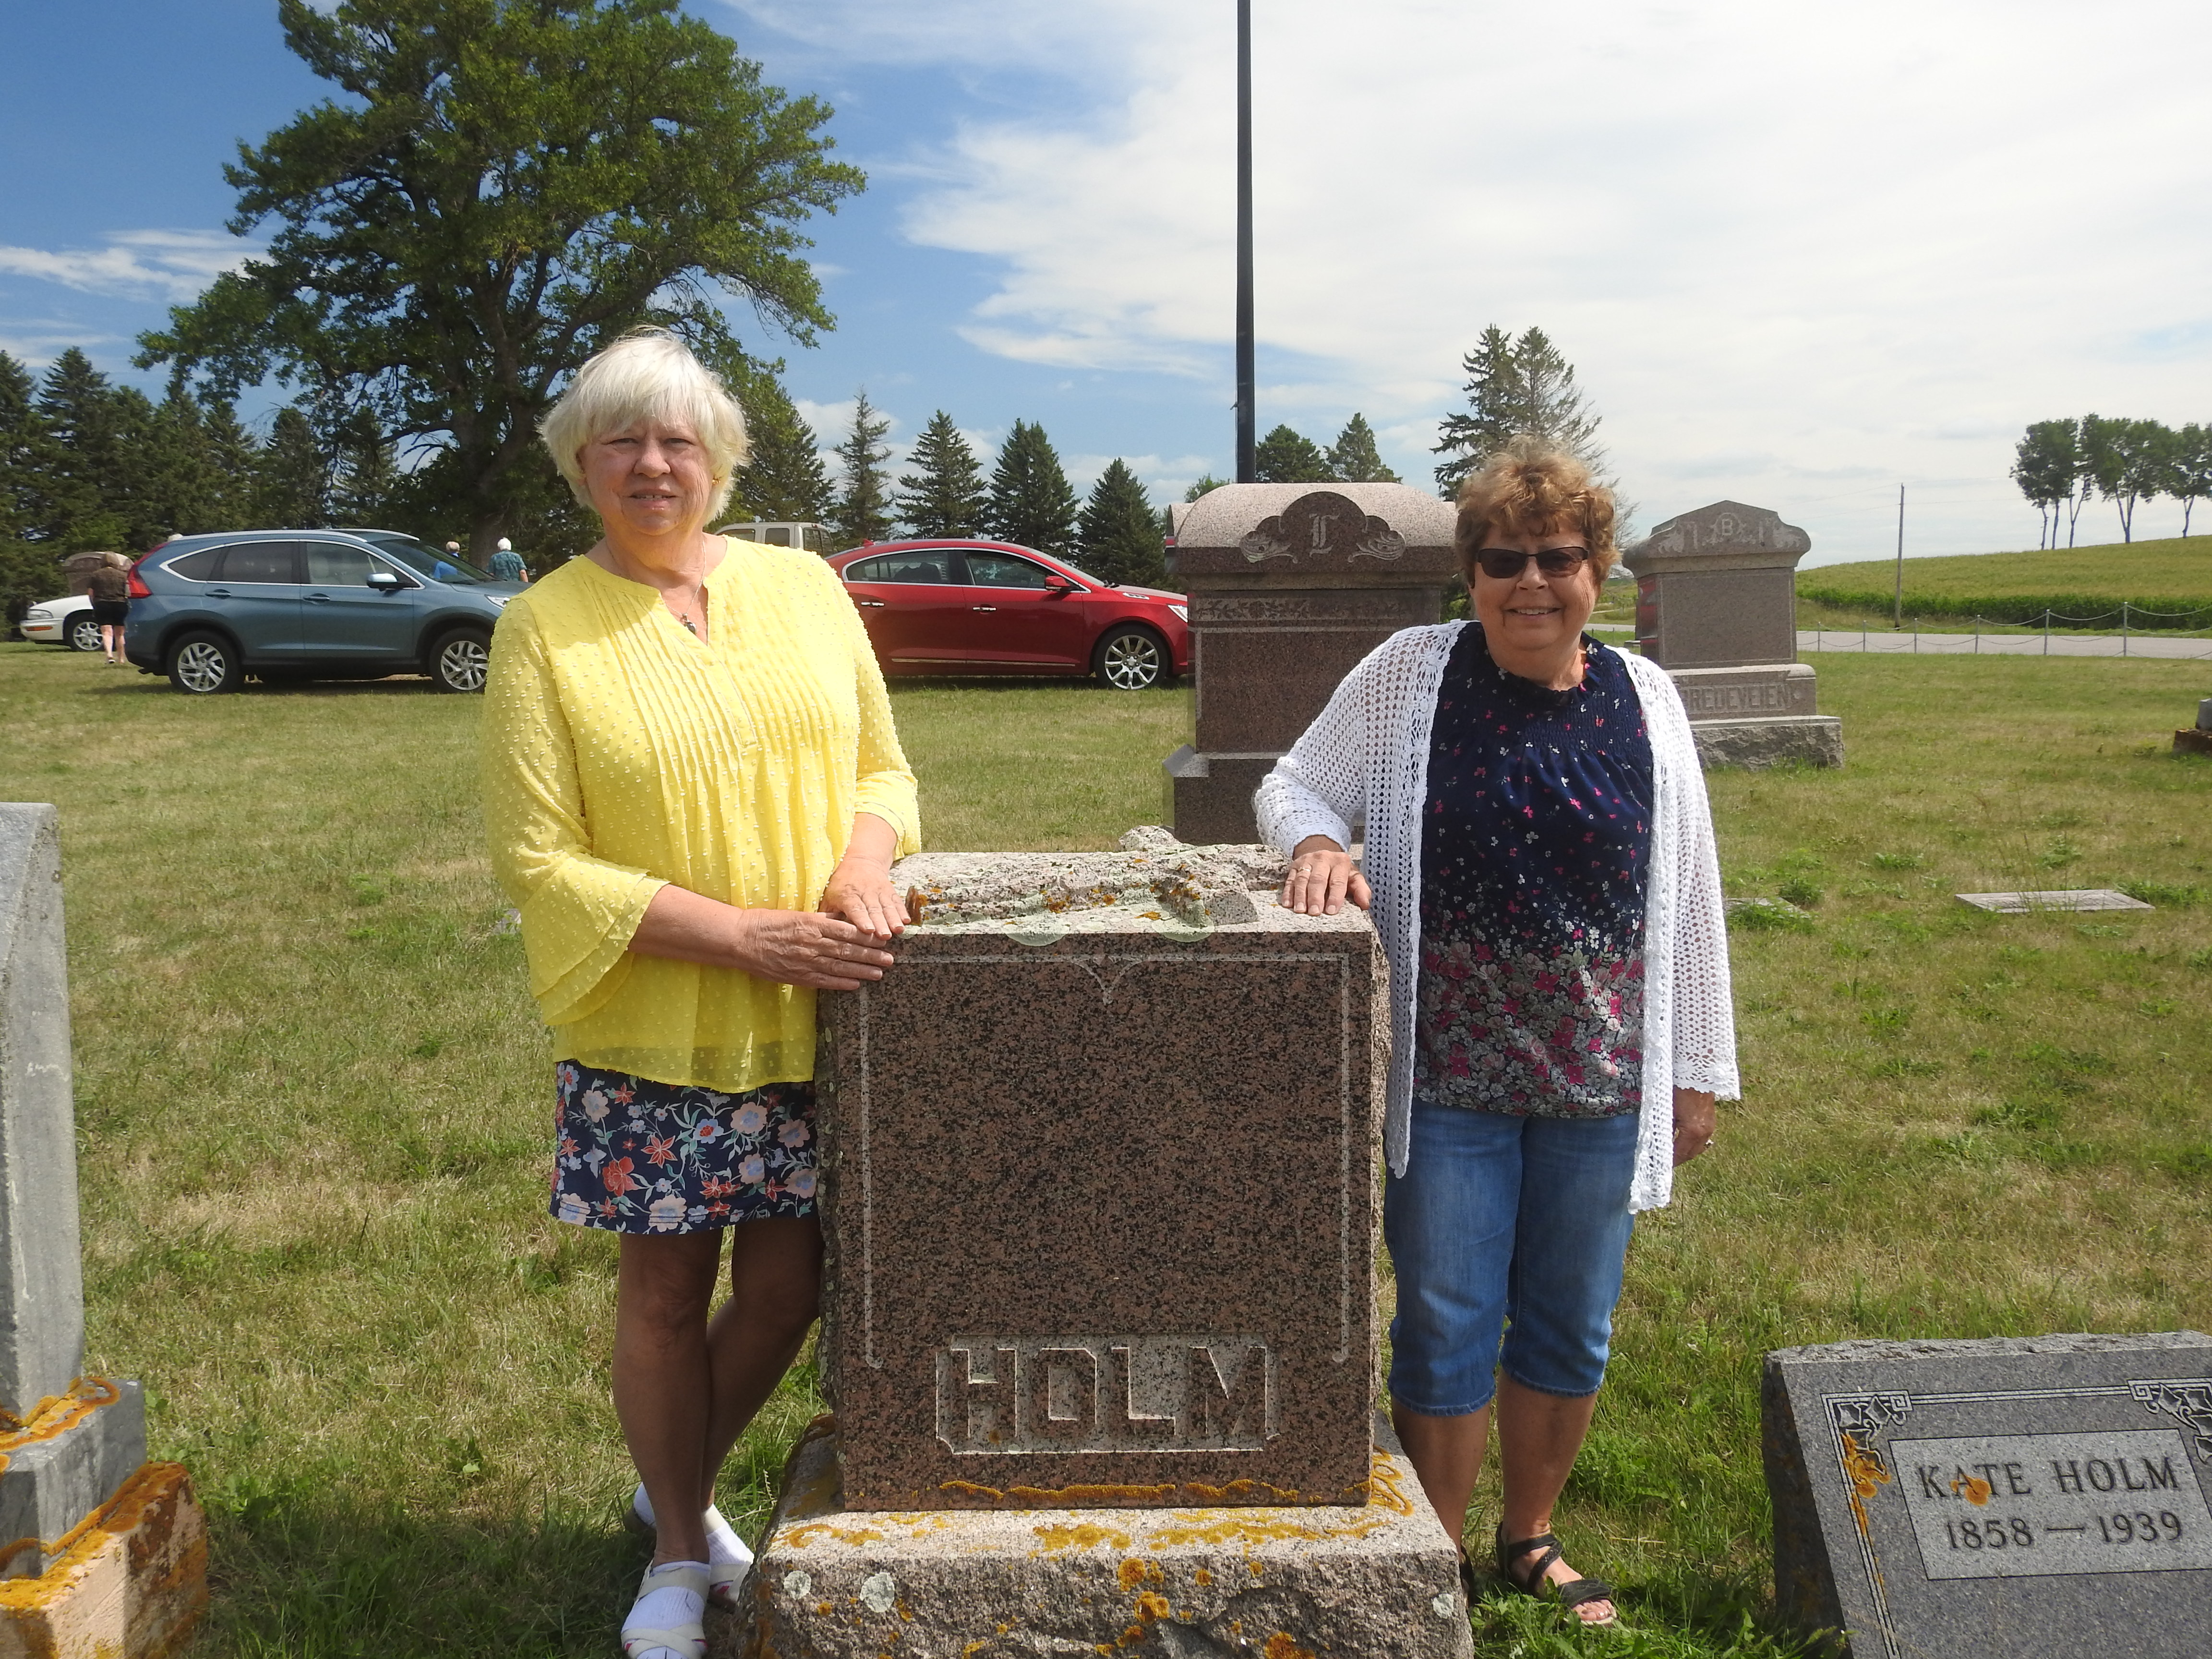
{"points": [[1977, 635], [2046, 630], [1915, 636], [2123, 628]]}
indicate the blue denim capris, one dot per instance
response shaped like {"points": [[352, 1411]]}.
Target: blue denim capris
{"points": [[1512, 1223]]}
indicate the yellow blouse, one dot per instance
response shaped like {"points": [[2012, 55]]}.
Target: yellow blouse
{"points": [[620, 753]]}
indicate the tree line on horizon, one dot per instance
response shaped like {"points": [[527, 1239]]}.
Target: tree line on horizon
{"points": [[2059, 465]]}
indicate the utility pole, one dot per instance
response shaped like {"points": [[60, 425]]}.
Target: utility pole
{"points": [[1248, 408], [1897, 619]]}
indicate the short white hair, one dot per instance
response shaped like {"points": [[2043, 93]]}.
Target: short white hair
{"points": [[648, 374]]}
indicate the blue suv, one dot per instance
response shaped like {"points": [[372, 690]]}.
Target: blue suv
{"points": [[299, 605]]}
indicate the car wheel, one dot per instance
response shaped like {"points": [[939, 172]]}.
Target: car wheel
{"points": [[84, 633], [204, 664], [1132, 658], [459, 661]]}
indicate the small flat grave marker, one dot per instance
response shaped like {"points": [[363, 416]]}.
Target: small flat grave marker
{"points": [[2077, 898], [2024, 1497]]}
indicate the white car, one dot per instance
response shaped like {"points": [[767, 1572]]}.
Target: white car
{"points": [[66, 621]]}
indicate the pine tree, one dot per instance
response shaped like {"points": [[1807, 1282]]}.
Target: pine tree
{"points": [[27, 568], [783, 478], [1288, 456], [295, 479], [184, 485], [1031, 502], [1119, 533], [1353, 457], [81, 481], [234, 454], [944, 495], [363, 480], [1514, 388], [862, 512]]}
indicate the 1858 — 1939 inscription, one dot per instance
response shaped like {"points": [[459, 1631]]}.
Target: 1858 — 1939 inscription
{"points": [[2023, 1497]]}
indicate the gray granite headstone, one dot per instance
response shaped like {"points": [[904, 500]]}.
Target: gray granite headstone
{"points": [[2038, 1497], [70, 1440]]}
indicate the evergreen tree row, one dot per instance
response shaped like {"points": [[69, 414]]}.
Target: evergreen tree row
{"points": [[1026, 500]]}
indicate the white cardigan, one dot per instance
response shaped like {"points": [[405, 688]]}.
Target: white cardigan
{"points": [[1365, 761]]}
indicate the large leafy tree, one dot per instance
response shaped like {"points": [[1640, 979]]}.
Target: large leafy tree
{"points": [[2189, 469], [863, 508], [1353, 457], [1032, 504], [2047, 466], [1284, 456], [1119, 533], [944, 495], [2127, 461], [505, 186], [1514, 388]]}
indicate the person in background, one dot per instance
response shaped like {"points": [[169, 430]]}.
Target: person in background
{"points": [[109, 589], [693, 793], [506, 564], [1545, 887]]}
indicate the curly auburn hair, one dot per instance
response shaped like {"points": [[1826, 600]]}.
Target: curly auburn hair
{"points": [[1533, 488]]}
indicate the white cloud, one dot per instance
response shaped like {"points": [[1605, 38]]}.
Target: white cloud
{"points": [[1797, 255], [34, 343], [174, 265]]}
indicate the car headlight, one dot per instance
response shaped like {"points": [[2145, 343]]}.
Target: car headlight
{"points": [[500, 599], [1182, 610], [38, 613]]}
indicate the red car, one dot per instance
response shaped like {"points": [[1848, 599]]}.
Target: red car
{"points": [[969, 607]]}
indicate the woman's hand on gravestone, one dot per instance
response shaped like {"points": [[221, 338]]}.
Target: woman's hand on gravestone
{"points": [[1694, 1118], [789, 947], [1321, 877], [860, 888]]}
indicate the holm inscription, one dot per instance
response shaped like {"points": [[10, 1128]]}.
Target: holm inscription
{"points": [[2003, 1506], [1006, 1395]]}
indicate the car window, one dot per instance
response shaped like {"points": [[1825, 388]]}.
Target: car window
{"points": [[334, 564], [261, 562], [1002, 570], [436, 564], [195, 567], [924, 565]]}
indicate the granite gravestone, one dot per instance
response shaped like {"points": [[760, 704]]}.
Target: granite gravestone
{"points": [[1098, 1317], [2009, 1498], [108, 1551], [1716, 607], [1290, 585]]}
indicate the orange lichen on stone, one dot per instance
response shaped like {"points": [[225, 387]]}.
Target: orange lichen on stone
{"points": [[1249, 1528], [1134, 1572], [1281, 1646], [131, 1583], [969, 1489], [1972, 1487], [1061, 1498], [1081, 1535], [1203, 1576], [1239, 1491], [1863, 1465], [1152, 1606], [57, 1414], [1386, 1486], [799, 1538]]}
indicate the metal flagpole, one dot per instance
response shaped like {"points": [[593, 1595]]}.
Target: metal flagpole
{"points": [[1248, 410]]}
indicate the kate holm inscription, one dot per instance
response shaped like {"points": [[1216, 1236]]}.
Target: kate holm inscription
{"points": [[2012, 1506], [1006, 1395]]}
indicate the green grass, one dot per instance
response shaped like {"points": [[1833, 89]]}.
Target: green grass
{"points": [[312, 1103], [2169, 576]]}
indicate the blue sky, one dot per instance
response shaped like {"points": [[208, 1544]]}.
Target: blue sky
{"points": [[1798, 257]]}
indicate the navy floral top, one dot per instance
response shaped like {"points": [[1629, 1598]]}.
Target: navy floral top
{"points": [[1535, 844]]}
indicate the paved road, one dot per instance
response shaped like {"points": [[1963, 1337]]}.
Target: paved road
{"points": [[2001, 645]]}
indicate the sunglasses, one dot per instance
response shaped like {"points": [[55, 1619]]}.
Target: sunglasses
{"points": [[1504, 564]]}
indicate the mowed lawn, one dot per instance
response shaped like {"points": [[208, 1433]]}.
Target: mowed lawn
{"points": [[312, 1102]]}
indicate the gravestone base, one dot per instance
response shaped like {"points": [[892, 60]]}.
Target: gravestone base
{"points": [[130, 1584], [1380, 1581], [1803, 740], [2192, 741], [66, 1462]]}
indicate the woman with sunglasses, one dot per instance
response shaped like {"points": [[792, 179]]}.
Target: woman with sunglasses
{"points": [[1544, 882]]}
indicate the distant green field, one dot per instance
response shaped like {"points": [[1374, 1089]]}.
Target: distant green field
{"points": [[2082, 583]]}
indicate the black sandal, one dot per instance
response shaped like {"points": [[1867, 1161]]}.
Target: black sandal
{"points": [[1572, 1594]]}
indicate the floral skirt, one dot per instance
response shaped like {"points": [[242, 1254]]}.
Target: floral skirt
{"points": [[635, 1155]]}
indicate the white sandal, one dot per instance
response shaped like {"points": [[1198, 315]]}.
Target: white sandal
{"points": [[681, 1589], [723, 1577]]}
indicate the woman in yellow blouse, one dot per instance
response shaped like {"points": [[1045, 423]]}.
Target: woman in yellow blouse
{"points": [[693, 793]]}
